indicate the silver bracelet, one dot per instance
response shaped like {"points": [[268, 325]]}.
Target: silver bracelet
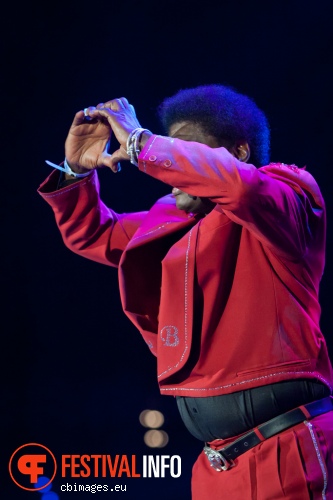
{"points": [[132, 145], [67, 169]]}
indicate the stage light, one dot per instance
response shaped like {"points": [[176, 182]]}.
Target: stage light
{"points": [[46, 492], [156, 438], [41, 482], [151, 418]]}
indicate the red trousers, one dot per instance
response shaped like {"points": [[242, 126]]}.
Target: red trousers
{"points": [[296, 464]]}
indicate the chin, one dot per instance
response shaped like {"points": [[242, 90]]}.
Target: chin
{"points": [[183, 207]]}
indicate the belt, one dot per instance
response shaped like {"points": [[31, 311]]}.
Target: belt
{"points": [[223, 459]]}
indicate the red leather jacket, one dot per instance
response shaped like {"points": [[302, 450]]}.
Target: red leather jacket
{"points": [[228, 301]]}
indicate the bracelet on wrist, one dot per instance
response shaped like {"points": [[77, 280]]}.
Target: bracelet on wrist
{"points": [[132, 145], [67, 169]]}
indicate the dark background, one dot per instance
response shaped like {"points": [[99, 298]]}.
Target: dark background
{"points": [[75, 373]]}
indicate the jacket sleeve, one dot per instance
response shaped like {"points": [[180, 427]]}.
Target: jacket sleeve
{"points": [[282, 205], [88, 227]]}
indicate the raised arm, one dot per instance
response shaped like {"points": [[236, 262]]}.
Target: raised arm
{"points": [[280, 204], [88, 227]]}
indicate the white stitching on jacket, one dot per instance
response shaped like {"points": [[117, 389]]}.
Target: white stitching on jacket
{"points": [[152, 231], [319, 377], [75, 185], [185, 306], [320, 460], [150, 145]]}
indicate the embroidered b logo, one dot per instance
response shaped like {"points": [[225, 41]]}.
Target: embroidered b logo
{"points": [[169, 336]]}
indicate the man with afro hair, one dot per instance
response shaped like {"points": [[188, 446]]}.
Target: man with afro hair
{"points": [[221, 277]]}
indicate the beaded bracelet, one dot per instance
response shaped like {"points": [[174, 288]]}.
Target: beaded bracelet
{"points": [[132, 145]]}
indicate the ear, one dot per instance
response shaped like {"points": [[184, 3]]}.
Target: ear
{"points": [[241, 150]]}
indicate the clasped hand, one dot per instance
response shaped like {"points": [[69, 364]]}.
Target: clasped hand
{"points": [[86, 146]]}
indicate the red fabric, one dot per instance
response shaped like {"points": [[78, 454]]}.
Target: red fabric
{"points": [[287, 466], [257, 259]]}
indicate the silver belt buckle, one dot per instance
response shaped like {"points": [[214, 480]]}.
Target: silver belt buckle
{"points": [[217, 460]]}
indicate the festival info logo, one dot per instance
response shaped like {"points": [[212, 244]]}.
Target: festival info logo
{"points": [[28, 463]]}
